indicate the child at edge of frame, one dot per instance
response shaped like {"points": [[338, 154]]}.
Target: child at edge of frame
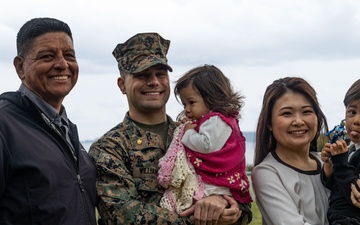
{"points": [[341, 166]]}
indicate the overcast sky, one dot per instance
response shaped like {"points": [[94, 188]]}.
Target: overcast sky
{"points": [[253, 42]]}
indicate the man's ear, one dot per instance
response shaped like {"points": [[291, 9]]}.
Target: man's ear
{"points": [[121, 84], [19, 66]]}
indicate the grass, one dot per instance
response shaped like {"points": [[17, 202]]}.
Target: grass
{"points": [[256, 220], [256, 215]]}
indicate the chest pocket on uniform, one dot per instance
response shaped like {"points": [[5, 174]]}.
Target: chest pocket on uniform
{"points": [[145, 170]]}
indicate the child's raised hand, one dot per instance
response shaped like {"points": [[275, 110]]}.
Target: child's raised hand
{"points": [[185, 119], [189, 126], [326, 153], [338, 147], [326, 158], [188, 123]]}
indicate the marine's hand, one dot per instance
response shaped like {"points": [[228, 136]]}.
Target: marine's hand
{"points": [[207, 211], [230, 215]]}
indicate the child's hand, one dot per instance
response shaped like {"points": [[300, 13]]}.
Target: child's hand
{"points": [[189, 126], [338, 147], [326, 158], [185, 120], [326, 153]]}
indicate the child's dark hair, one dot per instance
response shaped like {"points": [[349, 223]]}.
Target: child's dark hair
{"points": [[215, 89], [353, 94]]}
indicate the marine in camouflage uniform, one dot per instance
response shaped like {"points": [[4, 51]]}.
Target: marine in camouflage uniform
{"points": [[127, 156], [127, 159]]}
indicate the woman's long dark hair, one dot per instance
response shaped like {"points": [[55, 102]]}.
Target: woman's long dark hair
{"points": [[265, 141]]}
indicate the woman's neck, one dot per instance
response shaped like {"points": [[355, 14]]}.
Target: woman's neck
{"points": [[298, 158]]}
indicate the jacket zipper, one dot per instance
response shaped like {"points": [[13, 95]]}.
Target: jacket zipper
{"points": [[75, 160]]}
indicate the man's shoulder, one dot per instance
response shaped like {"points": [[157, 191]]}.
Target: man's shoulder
{"points": [[118, 136], [16, 99], [4, 104], [126, 133], [12, 101], [108, 141], [8, 98], [114, 133]]}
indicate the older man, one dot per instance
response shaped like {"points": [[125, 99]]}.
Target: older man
{"points": [[46, 176]]}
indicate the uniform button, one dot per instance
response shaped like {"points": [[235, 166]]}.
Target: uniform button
{"points": [[139, 142]]}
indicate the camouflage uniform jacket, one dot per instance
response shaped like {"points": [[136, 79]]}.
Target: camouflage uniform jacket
{"points": [[128, 191]]}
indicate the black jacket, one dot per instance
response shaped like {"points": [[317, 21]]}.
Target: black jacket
{"points": [[40, 181], [344, 173]]}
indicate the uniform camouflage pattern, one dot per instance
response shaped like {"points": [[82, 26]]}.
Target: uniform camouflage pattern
{"points": [[141, 52], [128, 191], [127, 163]]}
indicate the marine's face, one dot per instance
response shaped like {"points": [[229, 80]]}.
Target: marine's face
{"points": [[50, 68], [147, 91]]}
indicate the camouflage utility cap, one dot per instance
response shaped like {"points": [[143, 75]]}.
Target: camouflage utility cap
{"points": [[141, 52]]}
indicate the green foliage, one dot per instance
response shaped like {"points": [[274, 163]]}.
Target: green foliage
{"points": [[249, 168], [256, 214], [322, 139]]}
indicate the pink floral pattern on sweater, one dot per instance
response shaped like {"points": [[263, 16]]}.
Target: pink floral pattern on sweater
{"points": [[178, 177]]}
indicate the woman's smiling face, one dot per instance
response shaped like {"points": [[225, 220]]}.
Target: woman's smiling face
{"points": [[294, 122]]}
